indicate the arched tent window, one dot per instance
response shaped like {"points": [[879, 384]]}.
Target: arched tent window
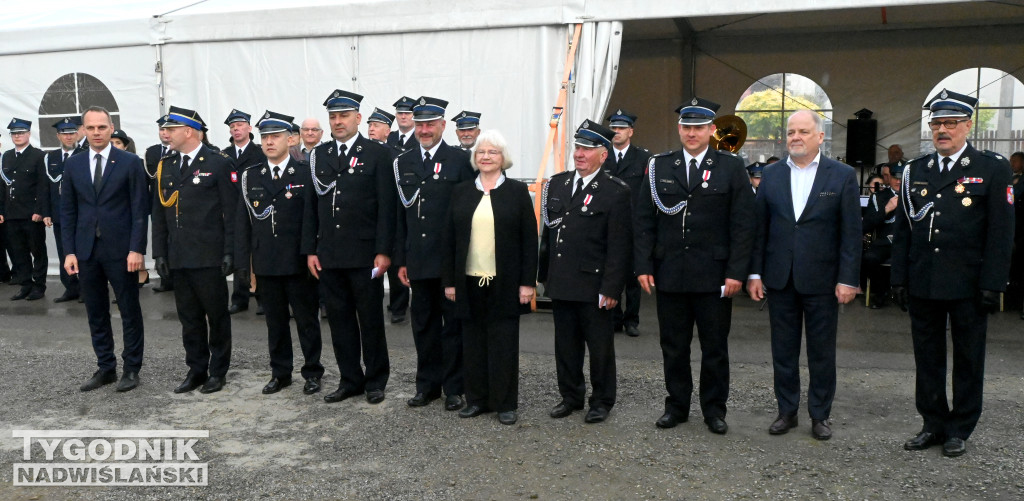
{"points": [[70, 95], [766, 105], [999, 116]]}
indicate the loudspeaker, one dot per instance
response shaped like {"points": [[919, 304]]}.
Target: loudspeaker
{"points": [[860, 141]]}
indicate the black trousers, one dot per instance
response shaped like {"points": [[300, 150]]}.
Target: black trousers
{"points": [[398, 294], [968, 326], [582, 326], [677, 314], [789, 312], [70, 282], [438, 337], [631, 315], [873, 260], [5, 268], [242, 284], [490, 352], [94, 276], [299, 292], [26, 242], [201, 295], [353, 302]]}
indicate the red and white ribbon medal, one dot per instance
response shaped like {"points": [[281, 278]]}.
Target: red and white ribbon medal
{"points": [[437, 170], [352, 164], [706, 176], [586, 202]]}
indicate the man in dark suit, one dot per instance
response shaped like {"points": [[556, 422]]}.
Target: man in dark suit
{"points": [[694, 233], [584, 265], [627, 162], [193, 238], [244, 154], [103, 226], [879, 221], [949, 270], [404, 138], [275, 196], [24, 203], [426, 176], [153, 155], [348, 234], [67, 136], [807, 256]]}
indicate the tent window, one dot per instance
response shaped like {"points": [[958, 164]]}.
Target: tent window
{"points": [[69, 95], [999, 116], [766, 105]]}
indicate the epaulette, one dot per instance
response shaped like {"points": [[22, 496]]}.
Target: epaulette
{"points": [[225, 155], [170, 153], [563, 173], [403, 153], [727, 152], [247, 167], [989, 153], [619, 181], [663, 154], [922, 157]]}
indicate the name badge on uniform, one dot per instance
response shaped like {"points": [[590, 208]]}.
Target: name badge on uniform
{"points": [[586, 202]]}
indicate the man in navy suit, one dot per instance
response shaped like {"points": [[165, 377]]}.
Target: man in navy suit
{"points": [[103, 227], [807, 257]]}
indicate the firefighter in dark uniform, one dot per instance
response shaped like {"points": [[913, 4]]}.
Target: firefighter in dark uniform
{"points": [[467, 129], [950, 260], [878, 221], [627, 162], [244, 154], [379, 127], [24, 204], [404, 138], [193, 239], [67, 135], [152, 156], [425, 176], [276, 194], [694, 236], [754, 172], [584, 265], [348, 239]]}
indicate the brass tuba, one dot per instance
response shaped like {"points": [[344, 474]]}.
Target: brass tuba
{"points": [[729, 134]]}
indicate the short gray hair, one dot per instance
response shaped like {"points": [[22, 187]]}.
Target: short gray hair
{"points": [[815, 116], [495, 139]]}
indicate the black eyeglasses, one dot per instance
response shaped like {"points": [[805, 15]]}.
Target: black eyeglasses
{"points": [[949, 124]]}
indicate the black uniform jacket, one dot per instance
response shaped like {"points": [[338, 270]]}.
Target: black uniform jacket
{"points": [[270, 218], [354, 220], [707, 241], [428, 190], [961, 243], [25, 190], [588, 251], [196, 228]]}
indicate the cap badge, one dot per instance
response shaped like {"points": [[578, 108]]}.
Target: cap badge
{"points": [[618, 111], [266, 115], [694, 102], [423, 101], [944, 94], [586, 124], [337, 94]]}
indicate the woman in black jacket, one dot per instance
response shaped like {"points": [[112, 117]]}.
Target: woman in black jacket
{"points": [[490, 271]]}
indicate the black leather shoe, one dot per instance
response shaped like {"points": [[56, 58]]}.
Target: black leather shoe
{"points": [[421, 399], [99, 378], [312, 385], [237, 308], [323, 311], [669, 420], [453, 402], [471, 411], [191, 382], [923, 441], [596, 415], [508, 417], [67, 296], [783, 424], [397, 318], [22, 294], [162, 288], [632, 331], [259, 308], [717, 425], [375, 396], [276, 384], [820, 429], [129, 380], [36, 294], [954, 447], [563, 409], [340, 394], [212, 385]]}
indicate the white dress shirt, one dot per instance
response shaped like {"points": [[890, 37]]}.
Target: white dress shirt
{"points": [[687, 156], [586, 180], [105, 155], [954, 157], [800, 180]]}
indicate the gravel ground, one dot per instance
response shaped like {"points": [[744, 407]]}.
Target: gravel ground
{"points": [[293, 446]]}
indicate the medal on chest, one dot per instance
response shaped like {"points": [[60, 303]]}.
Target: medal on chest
{"points": [[437, 170], [195, 178], [586, 202], [352, 165], [706, 176], [959, 188]]}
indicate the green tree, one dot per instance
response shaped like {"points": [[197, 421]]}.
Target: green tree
{"points": [[764, 115]]}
